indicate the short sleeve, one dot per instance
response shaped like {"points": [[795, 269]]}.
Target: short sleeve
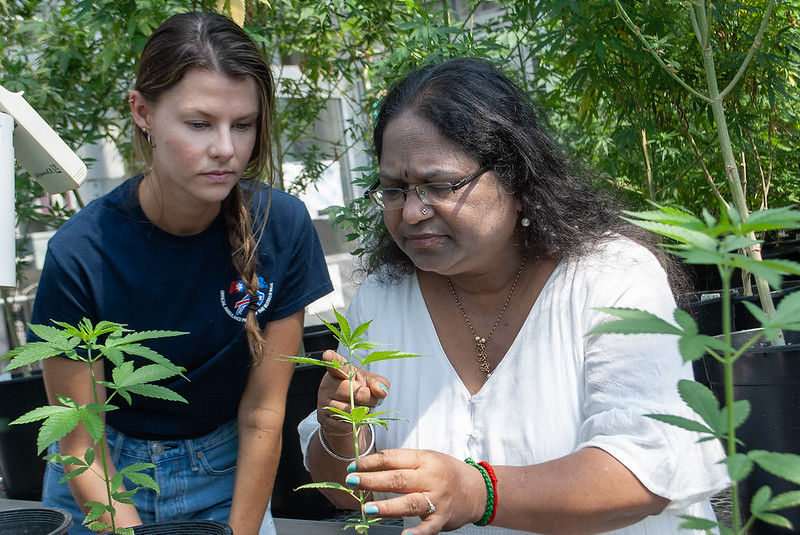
{"points": [[305, 274], [630, 376]]}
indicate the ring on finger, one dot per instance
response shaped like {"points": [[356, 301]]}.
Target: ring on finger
{"points": [[431, 508]]}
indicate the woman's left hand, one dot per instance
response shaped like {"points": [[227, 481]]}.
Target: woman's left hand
{"points": [[424, 478]]}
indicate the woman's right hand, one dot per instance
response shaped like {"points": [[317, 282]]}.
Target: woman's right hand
{"points": [[334, 391]]}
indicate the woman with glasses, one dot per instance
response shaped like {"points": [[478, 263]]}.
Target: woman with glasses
{"points": [[495, 255]]}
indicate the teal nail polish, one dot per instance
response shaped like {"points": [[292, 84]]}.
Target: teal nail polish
{"points": [[352, 481], [371, 510], [383, 387], [351, 467]]}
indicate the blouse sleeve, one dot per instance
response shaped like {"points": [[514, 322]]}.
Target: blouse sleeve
{"points": [[630, 376]]}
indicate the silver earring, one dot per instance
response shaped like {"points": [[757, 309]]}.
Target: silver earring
{"points": [[147, 136], [424, 211], [525, 222]]}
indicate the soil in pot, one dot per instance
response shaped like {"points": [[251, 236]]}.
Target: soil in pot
{"points": [[184, 527], [35, 521]]}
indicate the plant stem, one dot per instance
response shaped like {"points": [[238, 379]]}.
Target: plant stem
{"points": [[725, 274], [361, 496], [103, 450]]}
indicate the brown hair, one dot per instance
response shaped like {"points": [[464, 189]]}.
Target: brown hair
{"points": [[215, 43]]}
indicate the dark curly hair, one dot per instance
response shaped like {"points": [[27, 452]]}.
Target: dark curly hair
{"points": [[475, 106]]}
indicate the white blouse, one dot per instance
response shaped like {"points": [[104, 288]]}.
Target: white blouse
{"points": [[556, 390]]}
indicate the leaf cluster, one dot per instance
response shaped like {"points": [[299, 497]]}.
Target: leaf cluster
{"points": [[88, 343], [718, 241]]}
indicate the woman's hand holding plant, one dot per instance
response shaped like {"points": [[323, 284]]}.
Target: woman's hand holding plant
{"points": [[455, 488]]}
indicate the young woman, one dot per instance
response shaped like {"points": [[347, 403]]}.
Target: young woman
{"points": [[495, 256], [196, 243]]}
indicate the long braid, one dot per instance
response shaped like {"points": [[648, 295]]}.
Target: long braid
{"points": [[245, 260]]}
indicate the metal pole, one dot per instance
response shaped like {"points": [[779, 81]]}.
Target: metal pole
{"points": [[8, 249]]}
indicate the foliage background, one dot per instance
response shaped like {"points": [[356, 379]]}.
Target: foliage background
{"points": [[605, 97]]}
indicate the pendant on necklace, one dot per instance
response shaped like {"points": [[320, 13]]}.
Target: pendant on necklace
{"points": [[480, 348]]}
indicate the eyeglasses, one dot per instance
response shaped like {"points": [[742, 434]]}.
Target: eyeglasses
{"points": [[430, 193]]}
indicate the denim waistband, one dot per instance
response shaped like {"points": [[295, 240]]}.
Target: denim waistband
{"points": [[152, 450]]}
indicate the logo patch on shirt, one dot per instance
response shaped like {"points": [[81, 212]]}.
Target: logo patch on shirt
{"points": [[236, 302]]}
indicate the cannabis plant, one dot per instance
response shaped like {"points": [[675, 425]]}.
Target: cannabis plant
{"points": [[354, 342], [711, 241], [89, 343]]}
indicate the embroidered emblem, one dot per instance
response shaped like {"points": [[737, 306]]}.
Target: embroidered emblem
{"points": [[235, 301]]}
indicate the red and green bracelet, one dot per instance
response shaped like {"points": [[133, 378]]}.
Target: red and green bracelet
{"points": [[490, 479]]}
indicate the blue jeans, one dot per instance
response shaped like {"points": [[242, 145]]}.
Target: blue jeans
{"points": [[196, 478]]}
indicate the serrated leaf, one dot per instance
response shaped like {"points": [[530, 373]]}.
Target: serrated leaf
{"points": [[685, 321], [760, 498], [40, 413], [93, 423], [73, 473], [72, 331], [739, 466], [149, 373], [376, 356], [783, 465], [143, 480], [156, 391], [633, 321], [30, 353], [360, 330], [142, 335], [153, 356], [48, 333], [702, 401], [683, 423], [314, 362], [696, 523], [741, 410], [343, 415], [63, 459], [55, 427], [344, 328], [326, 485], [113, 354], [774, 519], [680, 234], [782, 501], [89, 456], [116, 481]]}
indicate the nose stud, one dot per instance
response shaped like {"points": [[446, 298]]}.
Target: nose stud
{"points": [[424, 211]]}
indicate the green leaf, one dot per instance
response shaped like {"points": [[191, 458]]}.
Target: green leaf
{"points": [[73, 473], [376, 356], [741, 410], [774, 519], [327, 485], [314, 362], [760, 499], [702, 401], [143, 480], [40, 413], [344, 328], [142, 335], [153, 356], [94, 424], [679, 234], [684, 423], [633, 321], [693, 522], [64, 459], [783, 465], [56, 427], [785, 500], [113, 354], [31, 352], [156, 391], [89, 456], [739, 466], [48, 333]]}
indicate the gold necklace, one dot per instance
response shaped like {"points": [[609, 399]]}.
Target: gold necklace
{"points": [[480, 342]]}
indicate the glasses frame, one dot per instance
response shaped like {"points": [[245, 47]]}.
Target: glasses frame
{"points": [[368, 194]]}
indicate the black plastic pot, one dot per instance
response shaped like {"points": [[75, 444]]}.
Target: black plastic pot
{"points": [[22, 469], [286, 502], [184, 527], [769, 378], [317, 338], [35, 521]]}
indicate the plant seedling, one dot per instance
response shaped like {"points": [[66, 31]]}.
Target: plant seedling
{"points": [[353, 340], [710, 241], [89, 343]]}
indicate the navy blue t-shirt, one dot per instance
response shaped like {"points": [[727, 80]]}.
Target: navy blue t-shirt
{"points": [[109, 262]]}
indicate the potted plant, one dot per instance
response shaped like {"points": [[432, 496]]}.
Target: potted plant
{"points": [[354, 342], [89, 343], [739, 421]]}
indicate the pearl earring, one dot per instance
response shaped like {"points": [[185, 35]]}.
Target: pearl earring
{"points": [[525, 222]]}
